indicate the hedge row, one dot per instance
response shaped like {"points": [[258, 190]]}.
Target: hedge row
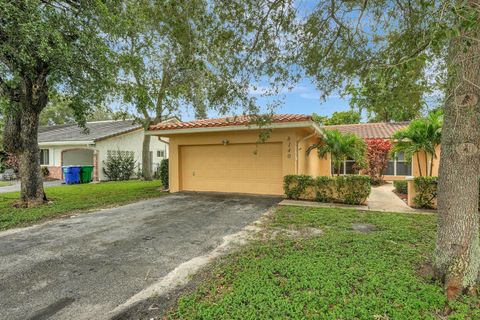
{"points": [[426, 192], [401, 186], [343, 189]]}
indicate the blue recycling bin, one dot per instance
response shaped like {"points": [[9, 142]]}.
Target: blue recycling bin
{"points": [[71, 174]]}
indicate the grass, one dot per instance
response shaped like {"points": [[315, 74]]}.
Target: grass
{"points": [[6, 183], [75, 198], [340, 274]]}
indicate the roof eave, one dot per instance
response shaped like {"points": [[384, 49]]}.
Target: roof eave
{"points": [[278, 125], [66, 143]]}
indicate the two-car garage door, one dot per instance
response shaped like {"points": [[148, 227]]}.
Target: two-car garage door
{"points": [[244, 168]]}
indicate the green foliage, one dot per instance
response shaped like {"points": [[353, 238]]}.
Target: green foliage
{"points": [[338, 117], [389, 56], [341, 147], [426, 192], [342, 189], [59, 111], [200, 55], [164, 173], [75, 198], [388, 95], [422, 135], [45, 172], [119, 165], [336, 275], [63, 45], [401, 186]]}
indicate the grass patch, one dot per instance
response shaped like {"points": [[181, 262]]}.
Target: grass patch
{"points": [[72, 198], [341, 274], [6, 183]]}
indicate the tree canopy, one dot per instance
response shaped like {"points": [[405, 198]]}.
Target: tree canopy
{"points": [[338, 117], [48, 46]]}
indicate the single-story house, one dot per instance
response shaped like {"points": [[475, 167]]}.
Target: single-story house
{"points": [[64, 145], [225, 154]]}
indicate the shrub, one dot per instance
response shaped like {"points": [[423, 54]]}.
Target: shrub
{"points": [[164, 173], [377, 158], [12, 162], [343, 189], [45, 172], [401, 186], [426, 192], [119, 165]]}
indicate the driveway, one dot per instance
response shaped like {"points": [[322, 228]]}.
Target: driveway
{"points": [[85, 266], [16, 186]]}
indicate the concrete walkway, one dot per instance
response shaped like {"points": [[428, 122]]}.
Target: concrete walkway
{"points": [[16, 186], [382, 198]]}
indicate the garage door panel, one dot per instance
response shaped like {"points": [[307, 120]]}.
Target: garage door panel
{"points": [[246, 168]]}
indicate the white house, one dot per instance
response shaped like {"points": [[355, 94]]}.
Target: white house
{"points": [[64, 145]]}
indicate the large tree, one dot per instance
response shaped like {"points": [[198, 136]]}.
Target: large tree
{"points": [[198, 55], [391, 95], [45, 46], [59, 111], [349, 41]]}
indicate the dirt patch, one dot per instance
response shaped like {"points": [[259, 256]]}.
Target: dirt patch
{"points": [[307, 232], [364, 227], [402, 196], [426, 271]]}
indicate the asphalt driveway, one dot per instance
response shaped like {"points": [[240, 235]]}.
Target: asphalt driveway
{"points": [[16, 186], [85, 266]]}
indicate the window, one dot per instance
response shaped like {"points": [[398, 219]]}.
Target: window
{"points": [[347, 167], [44, 157], [160, 153], [398, 166]]}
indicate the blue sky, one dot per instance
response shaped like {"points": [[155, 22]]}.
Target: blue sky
{"points": [[304, 98]]}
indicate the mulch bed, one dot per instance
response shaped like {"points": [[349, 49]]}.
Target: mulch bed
{"points": [[402, 196]]}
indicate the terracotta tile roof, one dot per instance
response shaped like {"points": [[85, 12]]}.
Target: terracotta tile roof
{"points": [[383, 130], [228, 121]]}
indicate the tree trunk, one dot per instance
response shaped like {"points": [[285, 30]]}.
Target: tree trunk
{"points": [[431, 164], [427, 173], [419, 165], [146, 163], [457, 252], [31, 181], [21, 135]]}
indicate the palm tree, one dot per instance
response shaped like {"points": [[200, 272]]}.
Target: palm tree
{"points": [[422, 135], [341, 147]]}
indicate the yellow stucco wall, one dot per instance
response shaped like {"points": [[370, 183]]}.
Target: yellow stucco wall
{"points": [[311, 164], [294, 157], [423, 164]]}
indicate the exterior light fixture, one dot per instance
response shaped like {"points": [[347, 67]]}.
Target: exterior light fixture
{"points": [[225, 142]]}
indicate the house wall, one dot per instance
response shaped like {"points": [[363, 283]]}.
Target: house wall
{"points": [[311, 164], [56, 157], [127, 142], [423, 164], [293, 160]]}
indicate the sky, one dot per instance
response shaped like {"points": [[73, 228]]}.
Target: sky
{"points": [[304, 98]]}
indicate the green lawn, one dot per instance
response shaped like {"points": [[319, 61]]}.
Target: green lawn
{"points": [[6, 183], [72, 198], [340, 274]]}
